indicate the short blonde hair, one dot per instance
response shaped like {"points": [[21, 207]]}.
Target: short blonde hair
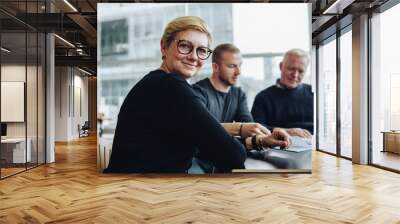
{"points": [[184, 23]]}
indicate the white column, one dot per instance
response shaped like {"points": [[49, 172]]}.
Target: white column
{"points": [[360, 90], [50, 98]]}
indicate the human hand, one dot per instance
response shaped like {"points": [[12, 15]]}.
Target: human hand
{"points": [[281, 134], [278, 137], [299, 132], [250, 129]]}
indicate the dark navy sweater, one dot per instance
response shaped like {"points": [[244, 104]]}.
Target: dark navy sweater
{"points": [[285, 108]]}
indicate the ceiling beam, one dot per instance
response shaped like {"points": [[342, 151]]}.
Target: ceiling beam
{"points": [[82, 61], [86, 26], [337, 6]]}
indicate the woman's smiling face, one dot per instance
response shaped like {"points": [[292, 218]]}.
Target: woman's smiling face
{"points": [[186, 65]]}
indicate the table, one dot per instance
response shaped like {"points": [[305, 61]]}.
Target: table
{"points": [[391, 141], [295, 162], [13, 150], [279, 161], [272, 161]]}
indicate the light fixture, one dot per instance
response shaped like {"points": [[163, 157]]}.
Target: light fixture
{"points": [[65, 41], [70, 5], [84, 71], [337, 7], [80, 51], [5, 50]]}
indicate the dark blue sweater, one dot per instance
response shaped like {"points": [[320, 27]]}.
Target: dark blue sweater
{"points": [[285, 108], [162, 122]]}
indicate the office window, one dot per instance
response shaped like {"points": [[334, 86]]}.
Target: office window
{"points": [[385, 88], [346, 94], [258, 73], [31, 100], [263, 49], [114, 37], [22, 80], [13, 155], [41, 88], [327, 96]]}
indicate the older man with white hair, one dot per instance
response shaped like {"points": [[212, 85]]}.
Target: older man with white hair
{"points": [[289, 104]]}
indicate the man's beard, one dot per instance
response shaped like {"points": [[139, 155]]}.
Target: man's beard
{"points": [[225, 81]]}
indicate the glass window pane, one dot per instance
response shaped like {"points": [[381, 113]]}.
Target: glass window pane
{"points": [[346, 94], [114, 37], [41, 99], [13, 75], [31, 101], [385, 89], [327, 97]]}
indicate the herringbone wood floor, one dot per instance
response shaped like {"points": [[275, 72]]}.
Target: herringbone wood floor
{"points": [[70, 191]]}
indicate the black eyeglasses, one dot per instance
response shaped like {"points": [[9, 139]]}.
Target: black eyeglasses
{"points": [[186, 47]]}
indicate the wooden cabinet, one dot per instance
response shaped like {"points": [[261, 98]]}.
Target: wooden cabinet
{"points": [[391, 141]]}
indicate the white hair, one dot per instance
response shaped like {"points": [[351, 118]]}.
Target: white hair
{"points": [[300, 53]]}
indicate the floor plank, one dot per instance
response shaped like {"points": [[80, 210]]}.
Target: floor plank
{"points": [[71, 191]]}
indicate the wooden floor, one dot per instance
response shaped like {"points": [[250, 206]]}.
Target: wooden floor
{"points": [[70, 191], [387, 159], [10, 171]]}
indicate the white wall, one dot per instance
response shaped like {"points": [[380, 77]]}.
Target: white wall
{"points": [[71, 94], [16, 73], [62, 81], [33, 106], [80, 101]]}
